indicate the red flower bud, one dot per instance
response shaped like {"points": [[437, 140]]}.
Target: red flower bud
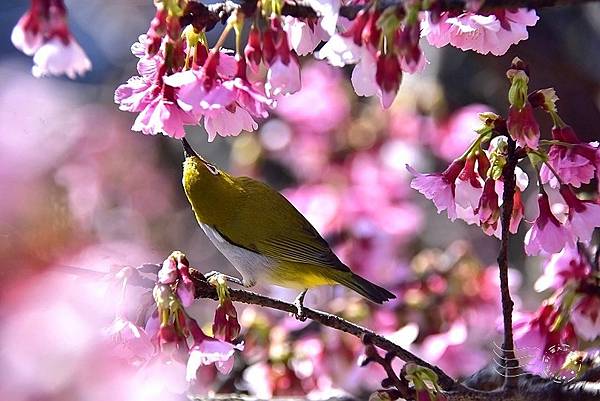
{"points": [[268, 49], [253, 51], [388, 76], [226, 326], [523, 127]]}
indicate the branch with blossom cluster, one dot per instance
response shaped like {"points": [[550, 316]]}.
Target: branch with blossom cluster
{"points": [[184, 80], [169, 327]]}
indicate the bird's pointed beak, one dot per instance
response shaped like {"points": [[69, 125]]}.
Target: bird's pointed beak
{"points": [[187, 149]]}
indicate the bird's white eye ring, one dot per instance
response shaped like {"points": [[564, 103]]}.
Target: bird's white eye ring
{"points": [[212, 169]]}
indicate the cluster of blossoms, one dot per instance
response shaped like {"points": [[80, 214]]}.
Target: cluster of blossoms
{"points": [[569, 318], [183, 81], [471, 187], [484, 33], [42, 32], [171, 337]]}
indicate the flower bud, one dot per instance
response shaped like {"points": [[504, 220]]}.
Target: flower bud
{"points": [[388, 77], [523, 126], [268, 46], [226, 326], [253, 51], [168, 273], [517, 94]]}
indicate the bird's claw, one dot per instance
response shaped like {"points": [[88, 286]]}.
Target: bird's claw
{"points": [[299, 304], [227, 278]]}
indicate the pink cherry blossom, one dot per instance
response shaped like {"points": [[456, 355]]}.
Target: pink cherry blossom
{"points": [[55, 57], [226, 122], [586, 317], [198, 92], [43, 32], [283, 74], [583, 217], [28, 34], [363, 75], [168, 273], [576, 163], [547, 234], [328, 11], [388, 76], [303, 36], [211, 351], [488, 209], [536, 334], [562, 267], [469, 186], [131, 341], [340, 51], [283, 78], [225, 324], [135, 95], [250, 98], [163, 116], [439, 188], [493, 33]]}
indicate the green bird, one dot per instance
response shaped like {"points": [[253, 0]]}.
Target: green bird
{"points": [[263, 235]]}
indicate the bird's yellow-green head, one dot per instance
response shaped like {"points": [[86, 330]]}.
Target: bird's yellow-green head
{"points": [[211, 192]]}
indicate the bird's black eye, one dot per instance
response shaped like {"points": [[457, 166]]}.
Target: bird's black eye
{"points": [[212, 169]]}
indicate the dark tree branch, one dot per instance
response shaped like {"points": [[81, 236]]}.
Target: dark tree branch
{"points": [[205, 290], [507, 303], [529, 387], [526, 387]]}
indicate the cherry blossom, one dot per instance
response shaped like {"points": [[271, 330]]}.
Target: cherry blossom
{"points": [[379, 68], [42, 32], [586, 317], [535, 334], [488, 208], [28, 34], [575, 162], [547, 234], [211, 351], [55, 57], [493, 33], [583, 216], [303, 36], [283, 74], [562, 267], [440, 188], [163, 116]]}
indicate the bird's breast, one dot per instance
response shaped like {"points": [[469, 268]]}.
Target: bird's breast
{"points": [[251, 265]]}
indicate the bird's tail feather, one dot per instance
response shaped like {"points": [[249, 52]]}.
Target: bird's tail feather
{"points": [[365, 288]]}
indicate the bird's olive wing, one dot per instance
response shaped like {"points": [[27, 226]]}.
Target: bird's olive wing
{"points": [[278, 230]]}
